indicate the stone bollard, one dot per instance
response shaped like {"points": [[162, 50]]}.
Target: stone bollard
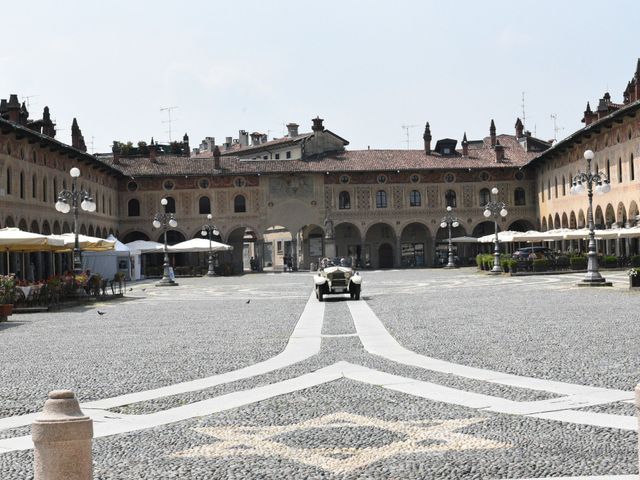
{"points": [[62, 439]]}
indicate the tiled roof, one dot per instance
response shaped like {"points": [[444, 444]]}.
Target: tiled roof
{"points": [[278, 142], [481, 155]]}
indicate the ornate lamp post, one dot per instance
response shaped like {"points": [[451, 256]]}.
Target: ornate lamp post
{"points": [[87, 204], [495, 209], [165, 220], [588, 179], [450, 220], [209, 229]]}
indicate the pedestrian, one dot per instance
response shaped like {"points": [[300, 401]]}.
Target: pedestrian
{"points": [[285, 262]]}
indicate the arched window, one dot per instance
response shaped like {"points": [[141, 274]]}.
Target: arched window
{"points": [[34, 186], [632, 170], [133, 208], [556, 186], [564, 186], [381, 199], [239, 204], [44, 189], [519, 196], [109, 205], [549, 189], [608, 169], [485, 196], [104, 209], [55, 189], [9, 181], [450, 198], [171, 205], [344, 201], [21, 184], [619, 170], [415, 199], [204, 205]]}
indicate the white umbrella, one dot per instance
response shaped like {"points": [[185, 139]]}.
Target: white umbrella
{"points": [[144, 246], [463, 240], [92, 244], [506, 236], [197, 245], [16, 240], [583, 233], [629, 232]]}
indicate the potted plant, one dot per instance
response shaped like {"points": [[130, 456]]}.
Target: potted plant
{"points": [[7, 295], [634, 277]]}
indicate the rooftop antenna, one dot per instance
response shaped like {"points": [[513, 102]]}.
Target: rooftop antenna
{"points": [[406, 129], [556, 128], [26, 99], [524, 117], [168, 110]]}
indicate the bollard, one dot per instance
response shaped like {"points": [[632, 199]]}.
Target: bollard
{"points": [[62, 440], [638, 415]]}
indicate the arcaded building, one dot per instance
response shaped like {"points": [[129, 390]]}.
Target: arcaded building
{"points": [[276, 197]]}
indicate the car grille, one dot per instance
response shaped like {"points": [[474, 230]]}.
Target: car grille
{"points": [[338, 280]]}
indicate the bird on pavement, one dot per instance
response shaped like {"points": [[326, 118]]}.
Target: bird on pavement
{"points": [[143, 289], [248, 301], [101, 312], [130, 289]]}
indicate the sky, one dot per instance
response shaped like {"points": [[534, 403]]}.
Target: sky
{"points": [[369, 68]]}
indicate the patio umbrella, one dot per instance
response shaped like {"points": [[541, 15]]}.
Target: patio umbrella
{"points": [[144, 246], [197, 245], [16, 240], [506, 236], [463, 240], [90, 244]]}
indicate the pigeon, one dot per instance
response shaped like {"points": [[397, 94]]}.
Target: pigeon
{"points": [[101, 312], [130, 289], [143, 289], [248, 301]]}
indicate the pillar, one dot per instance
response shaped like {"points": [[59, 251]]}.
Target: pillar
{"points": [[259, 246], [397, 261], [62, 439], [294, 253]]}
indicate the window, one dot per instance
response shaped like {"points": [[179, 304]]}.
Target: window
{"points": [[344, 179], [549, 189], [450, 198], [415, 199], [132, 186], [344, 201], [44, 189], [632, 172], [542, 190], [203, 183], [34, 187], [619, 170], [168, 185], [519, 196], [449, 177], [21, 184], [608, 170], [288, 154], [564, 186], [133, 208], [414, 178], [239, 182], [382, 178], [9, 181], [171, 205], [556, 186], [277, 156], [239, 204], [485, 196], [103, 205], [204, 205], [381, 199]]}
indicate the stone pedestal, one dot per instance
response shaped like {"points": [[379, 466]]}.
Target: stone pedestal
{"points": [[329, 248], [62, 440]]}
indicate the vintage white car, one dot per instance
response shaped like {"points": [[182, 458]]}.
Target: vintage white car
{"points": [[337, 276]]}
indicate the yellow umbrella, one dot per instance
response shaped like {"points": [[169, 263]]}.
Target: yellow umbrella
{"points": [[89, 244], [16, 240]]}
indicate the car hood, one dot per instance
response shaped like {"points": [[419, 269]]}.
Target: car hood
{"points": [[330, 270]]}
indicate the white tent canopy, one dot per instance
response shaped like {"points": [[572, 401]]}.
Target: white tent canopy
{"points": [[197, 245], [506, 236], [143, 246], [87, 243]]}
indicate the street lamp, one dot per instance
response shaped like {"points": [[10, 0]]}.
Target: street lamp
{"points": [[164, 220], [495, 209], [582, 179], [450, 220], [209, 229], [87, 204]]}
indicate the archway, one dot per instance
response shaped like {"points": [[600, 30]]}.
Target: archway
{"points": [[349, 242], [46, 228], [91, 232], [35, 228], [556, 221], [385, 255], [441, 256], [416, 246], [521, 226], [572, 220], [621, 215], [610, 216], [9, 222], [135, 235], [378, 234], [581, 219], [565, 221], [544, 224], [312, 247], [598, 218], [240, 238], [22, 225], [277, 249]]}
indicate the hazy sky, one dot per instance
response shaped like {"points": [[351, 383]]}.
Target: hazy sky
{"points": [[366, 67]]}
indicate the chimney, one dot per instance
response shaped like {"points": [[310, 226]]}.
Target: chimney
{"points": [[13, 107], [114, 150], [499, 151], [185, 143], [519, 128], [492, 133], [77, 140], [317, 124], [153, 151], [427, 139], [48, 127], [216, 158], [243, 138], [24, 114], [255, 138], [465, 145], [264, 138], [292, 129], [4, 110], [227, 143], [589, 117]]}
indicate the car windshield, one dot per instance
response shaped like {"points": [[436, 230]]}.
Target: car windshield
{"points": [[335, 262]]}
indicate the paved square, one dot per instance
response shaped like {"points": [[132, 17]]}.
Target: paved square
{"points": [[433, 374]]}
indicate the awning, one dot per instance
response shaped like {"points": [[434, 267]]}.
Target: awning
{"points": [[197, 245], [16, 240]]}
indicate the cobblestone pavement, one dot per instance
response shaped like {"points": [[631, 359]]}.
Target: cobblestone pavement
{"points": [[433, 374]]}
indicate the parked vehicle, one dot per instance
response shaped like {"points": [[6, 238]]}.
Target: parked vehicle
{"points": [[337, 276], [540, 252]]}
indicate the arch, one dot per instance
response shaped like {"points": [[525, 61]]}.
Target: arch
{"points": [[416, 245], [485, 196], [35, 228], [46, 228], [376, 235], [45, 195], [239, 236], [582, 223], [173, 237], [344, 200], [519, 196], [133, 207], [550, 222], [598, 217], [349, 242], [381, 199], [385, 255], [9, 222], [83, 230], [486, 227], [204, 205], [544, 224], [34, 186], [521, 226], [9, 182], [609, 215], [450, 198], [66, 228], [91, 232], [573, 223], [57, 230], [22, 225], [21, 185], [278, 247], [633, 212], [239, 204], [170, 207], [556, 221], [621, 215], [415, 198], [565, 221], [135, 235]]}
